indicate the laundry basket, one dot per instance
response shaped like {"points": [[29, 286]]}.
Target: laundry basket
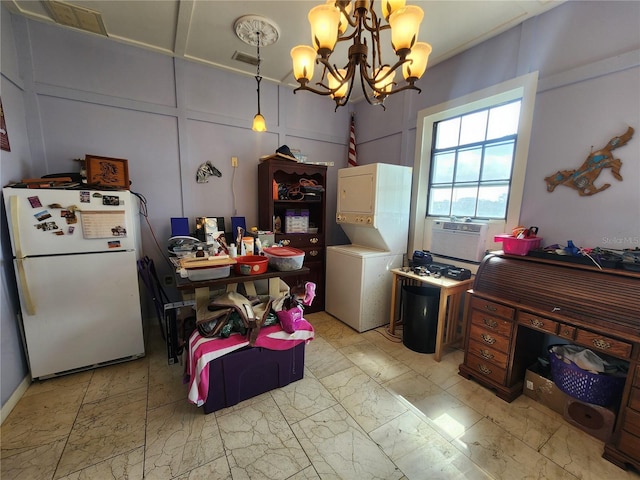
{"points": [[595, 388]]}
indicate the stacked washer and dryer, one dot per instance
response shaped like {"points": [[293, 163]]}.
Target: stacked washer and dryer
{"points": [[373, 208]]}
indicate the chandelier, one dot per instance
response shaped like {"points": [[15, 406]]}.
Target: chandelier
{"points": [[329, 24]]}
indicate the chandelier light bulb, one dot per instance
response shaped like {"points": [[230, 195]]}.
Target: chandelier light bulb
{"points": [[405, 24], [324, 20], [384, 79], [338, 83], [417, 64], [390, 6], [304, 59], [344, 21]]}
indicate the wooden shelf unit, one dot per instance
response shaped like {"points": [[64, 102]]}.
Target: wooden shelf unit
{"points": [[312, 244]]}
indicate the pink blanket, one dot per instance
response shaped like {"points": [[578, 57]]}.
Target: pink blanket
{"points": [[204, 350]]}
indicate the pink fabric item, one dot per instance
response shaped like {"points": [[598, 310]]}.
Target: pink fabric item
{"points": [[289, 319], [309, 293], [202, 351]]}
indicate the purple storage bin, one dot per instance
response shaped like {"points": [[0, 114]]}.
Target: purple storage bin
{"points": [[246, 373], [594, 388]]}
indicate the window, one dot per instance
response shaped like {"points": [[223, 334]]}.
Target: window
{"points": [[475, 172], [472, 161]]}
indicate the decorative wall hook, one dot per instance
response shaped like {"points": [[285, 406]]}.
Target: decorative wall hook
{"points": [[205, 170], [582, 179]]}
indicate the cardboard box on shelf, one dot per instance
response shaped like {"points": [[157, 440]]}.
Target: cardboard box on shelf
{"points": [[542, 389]]}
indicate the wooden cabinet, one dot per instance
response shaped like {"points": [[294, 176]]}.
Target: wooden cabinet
{"points": [[281, 189], [625, 445], [516, 302]]}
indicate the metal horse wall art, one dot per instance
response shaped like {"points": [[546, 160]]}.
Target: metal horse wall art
{"points": [[205, 170], [582, 179]]}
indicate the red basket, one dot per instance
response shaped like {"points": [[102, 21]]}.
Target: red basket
{"points": [[517, 246], [598, 389]]}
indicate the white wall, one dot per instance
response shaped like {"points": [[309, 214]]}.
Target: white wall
{"points": [[79, 94]]}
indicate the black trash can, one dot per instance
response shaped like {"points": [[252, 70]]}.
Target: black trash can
{"points": [[420, 318]]}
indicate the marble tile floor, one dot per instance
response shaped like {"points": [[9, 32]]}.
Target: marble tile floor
{"points": [[367, 408]]}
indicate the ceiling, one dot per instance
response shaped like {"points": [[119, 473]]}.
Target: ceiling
{"points": [[203, 30]]}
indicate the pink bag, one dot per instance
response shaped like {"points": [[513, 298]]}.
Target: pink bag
{"points": [[289, 319]]}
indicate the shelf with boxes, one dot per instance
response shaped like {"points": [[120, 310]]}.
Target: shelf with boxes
{"points": [[292, 204]]}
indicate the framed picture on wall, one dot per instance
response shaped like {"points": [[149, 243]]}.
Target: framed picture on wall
{"points": [[4, 136], [107, 172]]}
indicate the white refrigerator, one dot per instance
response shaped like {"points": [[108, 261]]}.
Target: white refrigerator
{"points": [[74, 255], [373, 208]]}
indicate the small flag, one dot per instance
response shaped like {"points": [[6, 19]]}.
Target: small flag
{"points": [[352, 144]]}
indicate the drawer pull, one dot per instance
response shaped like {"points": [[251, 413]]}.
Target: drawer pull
{"points": [[285, 241], [566, 332], [314, 253], [314, 240], [486, 354], [601, 344], [490, 322], [488, 339], [484, 369], [536, 323], [490, 308]]}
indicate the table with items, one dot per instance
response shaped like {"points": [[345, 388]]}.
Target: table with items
{"points": [[223, 370], [449, 330]]}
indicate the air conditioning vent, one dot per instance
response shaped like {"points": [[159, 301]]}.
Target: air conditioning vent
{"points": [[76, 17], [459, 240], [245, 58]]}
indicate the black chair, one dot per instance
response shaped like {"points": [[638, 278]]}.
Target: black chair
{"points": [[147, 271]]}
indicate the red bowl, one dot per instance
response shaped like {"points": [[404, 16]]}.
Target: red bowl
{"points": [[251, 264]]}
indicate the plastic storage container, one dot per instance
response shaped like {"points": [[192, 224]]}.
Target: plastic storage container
{"points": [[251, 265], [517, 246], [596, 388], [296, 221], [420, 318], [208, 273], [284, 259]]}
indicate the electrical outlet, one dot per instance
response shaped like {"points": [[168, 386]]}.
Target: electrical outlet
{"points": [[529, 385], [234, 162], [168, 280]]}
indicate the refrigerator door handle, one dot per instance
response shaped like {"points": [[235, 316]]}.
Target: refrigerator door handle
{"points": [[15, 221], [26, 294]]}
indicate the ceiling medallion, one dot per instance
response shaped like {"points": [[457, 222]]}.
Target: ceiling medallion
{"points": [[249, 27]]}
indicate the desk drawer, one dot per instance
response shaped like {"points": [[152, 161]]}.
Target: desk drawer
{"points": [[632, 422], [537, 323], [493, 324], [636, 378], [488, 353], [489, 339], [600, 343], [486, 369], [634, 399], [629, 444], [492, 308], [566, 331]]}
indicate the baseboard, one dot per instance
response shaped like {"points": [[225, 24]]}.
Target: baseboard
{"points": [[14, 398]]}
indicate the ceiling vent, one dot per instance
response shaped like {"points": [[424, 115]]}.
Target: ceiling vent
{"points": [[76, 17], [245, 58]]}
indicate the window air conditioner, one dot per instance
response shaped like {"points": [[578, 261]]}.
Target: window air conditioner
{"points": [[459, 240]]}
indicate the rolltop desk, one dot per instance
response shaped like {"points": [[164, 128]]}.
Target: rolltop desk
{"points": [[517, 300]]}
